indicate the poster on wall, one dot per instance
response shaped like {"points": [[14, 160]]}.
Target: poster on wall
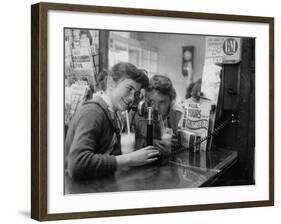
{"points": [[226, 50]]}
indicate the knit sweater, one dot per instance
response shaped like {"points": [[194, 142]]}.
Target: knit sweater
{"points": [[92, 141]]}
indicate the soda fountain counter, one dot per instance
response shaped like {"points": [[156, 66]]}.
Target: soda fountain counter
{"points": [[185, 170]]}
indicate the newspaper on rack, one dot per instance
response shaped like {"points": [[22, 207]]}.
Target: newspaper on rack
{"points": [[83, 65], [74, 97]]}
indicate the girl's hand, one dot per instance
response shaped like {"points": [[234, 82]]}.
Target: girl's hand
{"points": [[143, 156], [163, 146]]}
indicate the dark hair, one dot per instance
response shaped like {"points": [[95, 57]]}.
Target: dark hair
{"points": [[101, 80], [163, 84], [124, 70], [192, 88]]}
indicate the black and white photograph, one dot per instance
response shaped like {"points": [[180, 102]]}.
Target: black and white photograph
{"points": [[146, 111], [138, 111]]}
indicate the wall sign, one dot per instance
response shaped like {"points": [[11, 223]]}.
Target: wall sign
{"points": [[226, 50]]}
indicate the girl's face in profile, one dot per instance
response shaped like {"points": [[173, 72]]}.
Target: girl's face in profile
{"points": [[122, 93]]}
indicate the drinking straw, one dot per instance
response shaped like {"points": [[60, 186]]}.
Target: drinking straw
{"points": [[127, 121], [162, 124]]}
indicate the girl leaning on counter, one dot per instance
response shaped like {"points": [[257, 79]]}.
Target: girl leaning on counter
{"points": [[92, 145]]}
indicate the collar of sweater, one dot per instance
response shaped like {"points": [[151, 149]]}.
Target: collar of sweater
{"points": [[108, 101]]}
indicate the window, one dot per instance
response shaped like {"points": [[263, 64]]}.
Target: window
{"points": [[139, 53]]}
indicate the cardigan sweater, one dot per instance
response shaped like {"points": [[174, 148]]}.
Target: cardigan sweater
{"points": [[92, 141]]}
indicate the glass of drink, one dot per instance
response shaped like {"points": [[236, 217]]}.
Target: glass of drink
{"points": [[127, 142], [166, 137]]}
